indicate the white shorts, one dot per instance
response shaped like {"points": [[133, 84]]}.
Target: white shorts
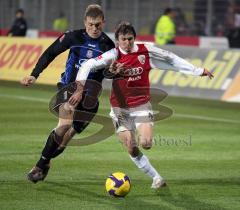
{"points": [[130, 119]]}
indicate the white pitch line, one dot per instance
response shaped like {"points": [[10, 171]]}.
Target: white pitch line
{"points": [[206, 118], [25, 98], [188, 116]]}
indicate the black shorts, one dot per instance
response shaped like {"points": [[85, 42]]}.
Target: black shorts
{"points": [[85, 110], [83, 116]]}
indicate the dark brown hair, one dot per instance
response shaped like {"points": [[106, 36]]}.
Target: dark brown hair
{"points": [[124, 28]]}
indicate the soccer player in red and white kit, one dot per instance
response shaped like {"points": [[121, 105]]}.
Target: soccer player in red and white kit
{"points": [[130, 98]]}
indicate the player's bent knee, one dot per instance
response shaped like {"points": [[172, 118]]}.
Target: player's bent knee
{"points": [[72, 132], [146, 147], [62, 129], [147, 144]]}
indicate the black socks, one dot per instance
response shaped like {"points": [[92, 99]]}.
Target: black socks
{"points": [[49, 150]]}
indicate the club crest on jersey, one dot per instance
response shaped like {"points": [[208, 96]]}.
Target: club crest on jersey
{"points": [[89, 54], [142, 59]]}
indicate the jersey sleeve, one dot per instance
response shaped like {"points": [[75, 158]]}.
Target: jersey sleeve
{"points": [[163, 59], [60, 45], [101, 62]]}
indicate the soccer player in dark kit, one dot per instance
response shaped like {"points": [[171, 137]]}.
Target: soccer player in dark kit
{"points": [[83, 45]]}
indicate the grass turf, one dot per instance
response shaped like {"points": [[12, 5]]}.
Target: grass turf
{"points": [[198, 157]]}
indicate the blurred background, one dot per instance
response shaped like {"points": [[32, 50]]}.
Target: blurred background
{"points": [[194, 17]]}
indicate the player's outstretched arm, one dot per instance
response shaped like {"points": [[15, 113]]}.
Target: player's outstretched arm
{"points": [[95, 64], [28, 80], [166, 60]]}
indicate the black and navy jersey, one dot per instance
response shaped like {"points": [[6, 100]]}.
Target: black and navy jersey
{"points": [[82, 47]]}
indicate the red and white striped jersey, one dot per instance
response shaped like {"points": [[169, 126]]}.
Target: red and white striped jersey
{"points": [[131, 87]]}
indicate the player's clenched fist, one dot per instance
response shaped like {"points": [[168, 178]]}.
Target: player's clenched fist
{"points": [[116, 67], [75, 98], [77, 95], [28, 80]]}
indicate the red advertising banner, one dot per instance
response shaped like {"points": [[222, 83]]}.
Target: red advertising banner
{"points": [[18, 56]]}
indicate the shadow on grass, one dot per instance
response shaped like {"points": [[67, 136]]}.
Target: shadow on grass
{"points": [[78, 190], [210, 181], [186, 201], [16, 84], [92, 193]]}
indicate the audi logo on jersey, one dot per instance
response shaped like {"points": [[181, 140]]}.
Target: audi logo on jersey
{"points": [[133, 71]]}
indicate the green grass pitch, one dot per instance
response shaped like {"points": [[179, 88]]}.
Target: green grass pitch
{"points": [[196, 150]]}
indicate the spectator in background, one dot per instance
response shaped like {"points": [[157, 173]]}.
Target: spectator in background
{"points": [[19, 27], [182, 27], [229, 18], [199, 11], [232, 24], [220, 10], [60, 23], [165, 30]]}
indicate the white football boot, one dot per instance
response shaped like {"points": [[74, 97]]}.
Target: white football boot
{"points": [[158, 183]]}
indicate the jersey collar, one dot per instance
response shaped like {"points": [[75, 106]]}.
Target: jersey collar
{"points": [[88, 37]]}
